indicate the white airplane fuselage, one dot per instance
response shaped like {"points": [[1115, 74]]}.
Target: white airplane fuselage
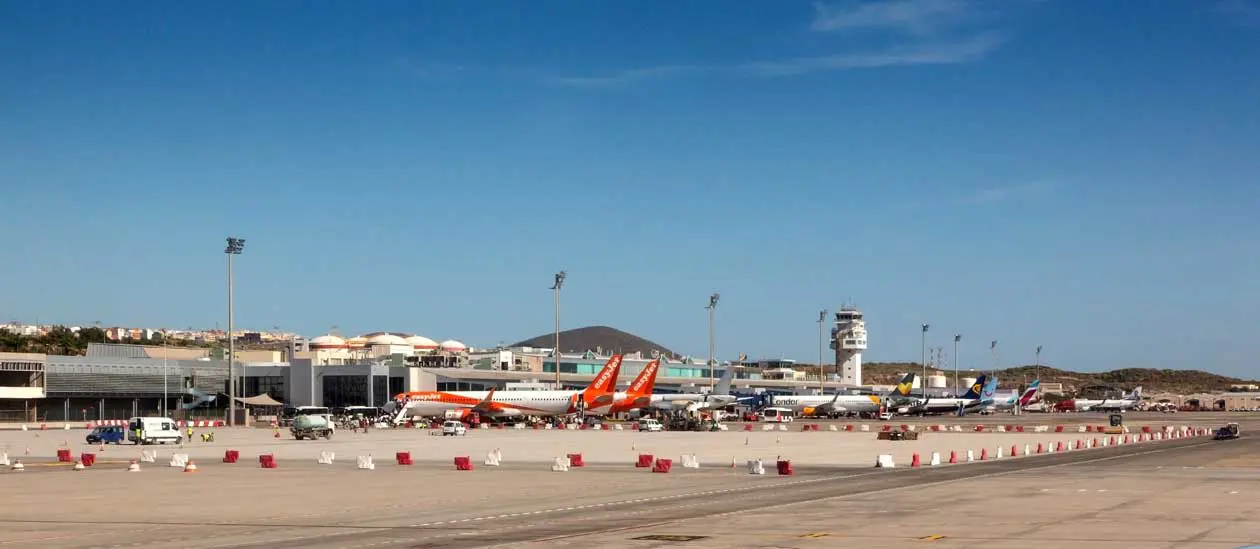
{"points": [[800, 404], [504, 403]]}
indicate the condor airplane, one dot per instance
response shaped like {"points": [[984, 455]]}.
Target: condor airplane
{"points": [[496, 403], [811, 405]]}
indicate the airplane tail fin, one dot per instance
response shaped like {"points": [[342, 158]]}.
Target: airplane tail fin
{"points": [[1135, 395], [974, 392], [990, 389], [602, 388], [723, 386], [904, 386], [645, 382], [1029, 393]]}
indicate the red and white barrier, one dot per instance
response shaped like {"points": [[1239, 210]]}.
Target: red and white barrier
{"points": [[180, 423]]}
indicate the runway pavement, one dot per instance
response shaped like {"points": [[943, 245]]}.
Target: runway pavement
{"points": [[1079, 498]]}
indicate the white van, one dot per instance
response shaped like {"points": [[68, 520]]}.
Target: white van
{"points": [[454, 428], [650, 425], [777, 415], [153, 430]]}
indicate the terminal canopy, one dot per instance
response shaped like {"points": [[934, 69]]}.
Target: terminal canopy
{"points": [[260, 400]]}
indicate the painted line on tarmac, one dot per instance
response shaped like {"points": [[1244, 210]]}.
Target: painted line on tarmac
{"points": [[875, 491], [750, 487]]}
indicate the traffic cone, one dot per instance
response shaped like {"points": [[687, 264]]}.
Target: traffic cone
{"points": [[914, 460], [953, 456], [191, 467], [984, 454]]}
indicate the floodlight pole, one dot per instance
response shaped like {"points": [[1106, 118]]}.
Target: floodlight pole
{"points": [[957, 338], [923, 352], [560, 276], [712, 307], [822, 370], [234, 247]]}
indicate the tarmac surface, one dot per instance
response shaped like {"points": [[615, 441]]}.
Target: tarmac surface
{"points": [[1184, 493], [820, 448]]}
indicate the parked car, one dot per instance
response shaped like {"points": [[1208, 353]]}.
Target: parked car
{"points": [[107, 435], [453, 428]]}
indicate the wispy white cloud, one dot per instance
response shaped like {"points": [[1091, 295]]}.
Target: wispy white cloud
{"points": [[915, 16], [948, 53], [993, 195], [952, 53], [632, 75], [1242, 12]]}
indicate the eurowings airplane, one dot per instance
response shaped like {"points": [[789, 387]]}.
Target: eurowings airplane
{"points": [[810, 405], [496, 403], [1023, 400]]}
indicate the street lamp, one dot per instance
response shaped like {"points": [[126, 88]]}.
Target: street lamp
{"points": [[713, 301], [957, 338], [234, 247], [1037, 364], [822, 370], [560, 276], [923, 352], [993, 352]]}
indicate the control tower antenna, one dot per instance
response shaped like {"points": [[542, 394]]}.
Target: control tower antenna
{"points": [[848, 339]]}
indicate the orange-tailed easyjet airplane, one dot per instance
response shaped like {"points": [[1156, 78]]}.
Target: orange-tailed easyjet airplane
{"points": [[638, 394], [496, 403]]}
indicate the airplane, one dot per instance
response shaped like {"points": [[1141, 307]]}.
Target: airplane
{"points": [[691, 402], [815, 405], [638, 395], [979, 395], [1023, 400], [508, 403], [1127, 402]]}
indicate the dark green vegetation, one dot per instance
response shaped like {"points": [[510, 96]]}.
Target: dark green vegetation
{"points": [[1151, 380], [62, 341]]}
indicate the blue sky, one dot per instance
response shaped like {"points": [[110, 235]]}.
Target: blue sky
{"points": [[1078, 175]]}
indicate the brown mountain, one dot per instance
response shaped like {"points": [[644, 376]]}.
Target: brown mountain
{"points": [[596, 338], [1087, 383]]}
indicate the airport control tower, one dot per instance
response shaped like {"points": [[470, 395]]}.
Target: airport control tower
{"points": [[848, 338]]}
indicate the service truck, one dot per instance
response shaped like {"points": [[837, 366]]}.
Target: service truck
{"points": [[312, 427]]}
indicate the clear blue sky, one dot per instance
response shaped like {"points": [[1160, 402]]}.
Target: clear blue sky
{"points": [[1079, 175]]}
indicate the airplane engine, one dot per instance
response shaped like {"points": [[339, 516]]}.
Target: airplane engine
{"points": [[808, 411]]}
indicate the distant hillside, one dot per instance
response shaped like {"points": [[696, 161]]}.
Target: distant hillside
{"points": [[1151, 380], [592, 338]]}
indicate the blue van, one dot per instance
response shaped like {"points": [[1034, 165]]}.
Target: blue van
{"points": [[107, 435]]}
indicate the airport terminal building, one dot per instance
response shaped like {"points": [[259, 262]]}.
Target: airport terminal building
{"points": [[121, 381]]}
